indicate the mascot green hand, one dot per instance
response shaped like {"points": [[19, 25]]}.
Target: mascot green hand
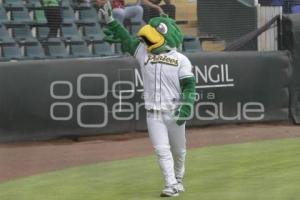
{"points": [[160, 35]]}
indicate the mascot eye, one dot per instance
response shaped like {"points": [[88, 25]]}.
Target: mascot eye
{"points": [[162, 28]]}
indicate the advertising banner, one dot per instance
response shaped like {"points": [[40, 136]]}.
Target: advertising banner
{"points": [[81, 97], [63, 98]]}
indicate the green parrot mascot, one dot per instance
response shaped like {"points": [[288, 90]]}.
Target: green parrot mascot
{"points": [[169, 89], [160, 35]]}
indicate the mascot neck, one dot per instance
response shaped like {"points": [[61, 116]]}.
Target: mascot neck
{"points": [[162, 49]]}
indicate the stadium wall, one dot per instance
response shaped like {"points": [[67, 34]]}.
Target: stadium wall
{"points": [[81, 97]]}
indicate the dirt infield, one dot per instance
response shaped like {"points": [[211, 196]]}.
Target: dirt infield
{"points": [[25, 159]]}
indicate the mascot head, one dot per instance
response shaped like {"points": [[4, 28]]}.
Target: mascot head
{"points": [[161, 34]]}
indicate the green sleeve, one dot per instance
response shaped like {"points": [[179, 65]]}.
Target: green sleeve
{"points": [[188, 90], [129, 43], [188, 98]]}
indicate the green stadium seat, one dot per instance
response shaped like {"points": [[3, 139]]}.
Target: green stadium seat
{"points": [[40, 25], [101, 49], [38, 13], [39, 16], [191, 44], [55, 48], [11, 51], [79, 49]]}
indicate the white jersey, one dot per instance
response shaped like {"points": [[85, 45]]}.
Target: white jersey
{"points": [[161, 75]]}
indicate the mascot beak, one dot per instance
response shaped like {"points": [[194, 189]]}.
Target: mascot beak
{"points": [[151, 37]]}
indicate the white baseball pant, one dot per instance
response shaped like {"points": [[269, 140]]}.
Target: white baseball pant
{"points": [[169, 142]]}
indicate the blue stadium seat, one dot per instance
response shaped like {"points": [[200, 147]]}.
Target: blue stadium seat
{"points": [[79, 49], [3, 16], [4, 35], [101, 49], [33, 50], [13, 3], [33, 3], [21, 15], [66, 3], [22, 33], [92, 32], [42, 32], [70, 32], [68, 15], [87, 14], [191, 44], [11, 51], [55, 48]]}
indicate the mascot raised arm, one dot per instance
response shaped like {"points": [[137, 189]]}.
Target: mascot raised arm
{"points": [[169, 89]]}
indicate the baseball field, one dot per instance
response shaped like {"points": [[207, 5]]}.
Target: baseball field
{"points": [[242, 162]]}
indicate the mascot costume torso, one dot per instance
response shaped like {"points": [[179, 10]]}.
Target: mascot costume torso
{"points": [[169, 88]]}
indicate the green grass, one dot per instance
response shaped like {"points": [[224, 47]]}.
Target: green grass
{"points": [[266, 170]]}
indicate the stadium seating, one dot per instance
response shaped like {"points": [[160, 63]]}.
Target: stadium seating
{"points": [[10, 51], [70, 32], [20, 15], [4, 35], [41, 32], [33, 3], [91, 31], [24, 32], [101, 49], [68, 15], [78, 49], [55, 48], [66, 3], [3, 16], [13, 3], [86, 14], [33, 50]]}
